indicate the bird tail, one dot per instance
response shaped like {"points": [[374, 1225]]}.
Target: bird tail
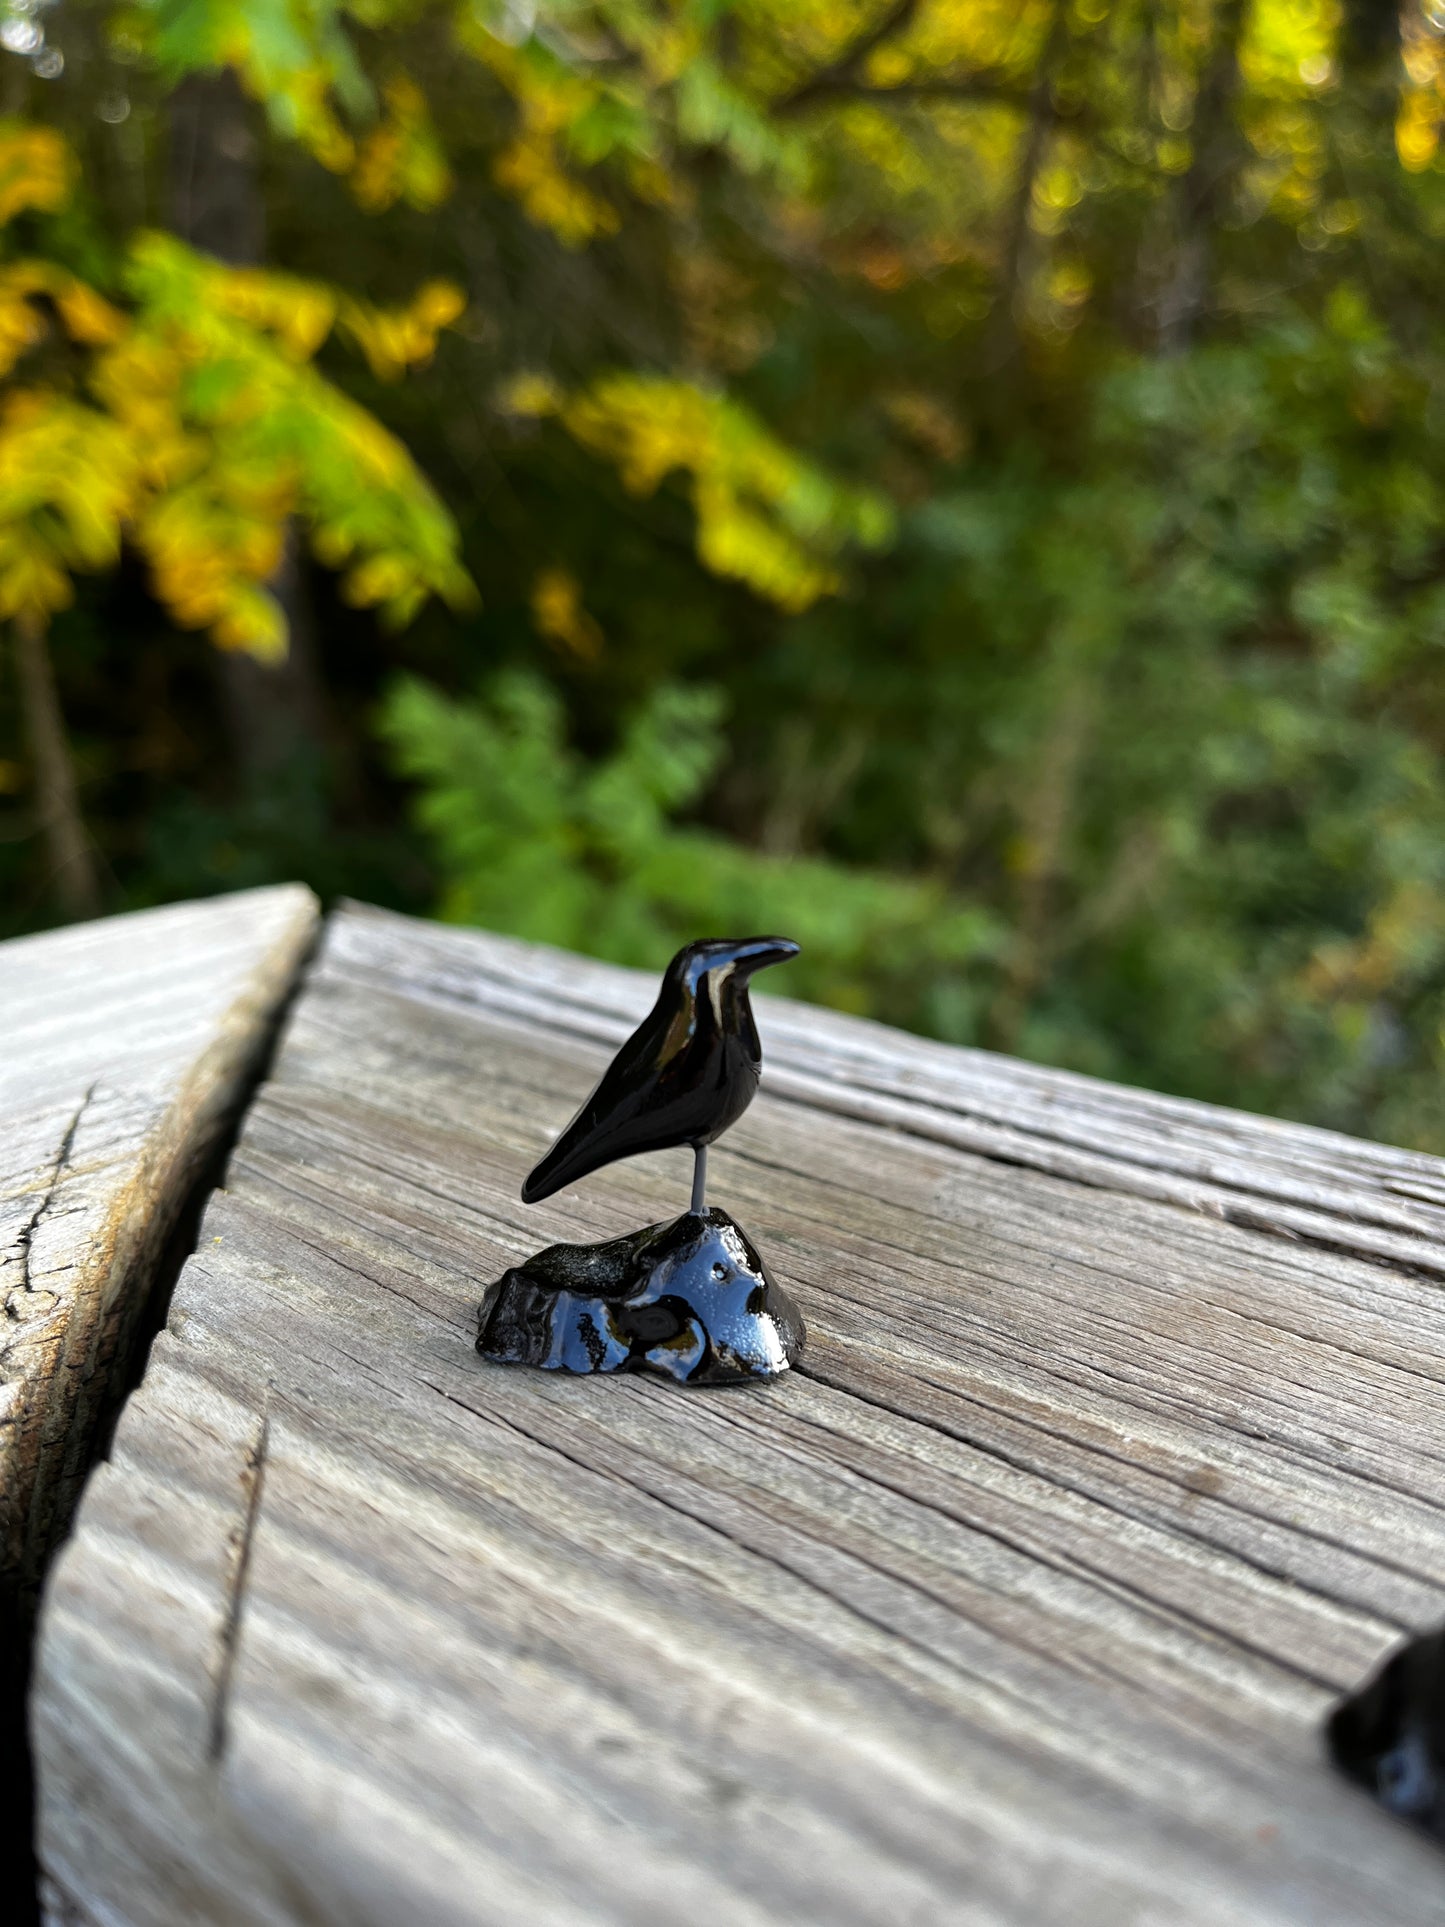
{"points": [[549, 1174], [566, 1162]]}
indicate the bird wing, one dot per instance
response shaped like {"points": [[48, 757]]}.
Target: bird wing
{"points": [[615, 1116]]}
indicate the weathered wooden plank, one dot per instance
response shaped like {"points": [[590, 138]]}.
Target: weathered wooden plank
{"points": [[1291, 1179], [127, 1046], [1020, 1602]]}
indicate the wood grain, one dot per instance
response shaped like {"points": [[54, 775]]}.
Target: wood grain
{"points": [[127, 1047], [1020, 1602]]}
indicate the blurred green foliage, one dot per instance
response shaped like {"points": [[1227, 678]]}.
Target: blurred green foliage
{"points": [[961, 482], [588, 853]]}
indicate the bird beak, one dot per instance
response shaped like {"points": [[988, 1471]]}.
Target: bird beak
{"points": [[759, 952]]}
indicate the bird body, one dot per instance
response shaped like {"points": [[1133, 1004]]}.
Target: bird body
{"points": [[686, 1074]]}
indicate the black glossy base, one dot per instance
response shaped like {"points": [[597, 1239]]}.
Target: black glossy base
{"points": [[690, 1299], [1390, 1736]]}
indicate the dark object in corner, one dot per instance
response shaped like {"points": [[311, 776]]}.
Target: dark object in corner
{"points": [[1390, 1735], [690, 1299]]}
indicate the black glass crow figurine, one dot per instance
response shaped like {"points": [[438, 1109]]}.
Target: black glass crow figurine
{"points": [[690, 1298], [686, 1074]]}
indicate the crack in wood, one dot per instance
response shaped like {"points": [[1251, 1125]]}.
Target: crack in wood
{"points": [[253, 1480], [42, 1211]]}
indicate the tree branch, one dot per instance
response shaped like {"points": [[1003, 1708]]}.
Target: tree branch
{"points": [[841, 75], [983, 85]]}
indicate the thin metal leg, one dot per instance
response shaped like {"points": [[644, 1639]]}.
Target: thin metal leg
{"points": [[699, 1178]]}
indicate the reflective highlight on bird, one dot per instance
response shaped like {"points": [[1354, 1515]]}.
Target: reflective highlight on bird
{"points": [[686, 1074], [689, 1299]]}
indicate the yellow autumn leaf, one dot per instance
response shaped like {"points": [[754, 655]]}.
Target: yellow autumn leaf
{"points": [[252, 620], [530, 170], [67, 477], [378, 579], [735, 541], [396, 339], [401, 157], [764, 515], [37, 169], [88, 317], [20, 328], [558, 614], [438, 304], [32, 583], [200, 430]]}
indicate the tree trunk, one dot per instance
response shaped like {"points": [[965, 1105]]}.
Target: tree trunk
{"points": [[273, 711], [67, 844], [1047, 822], [1015, 252], [1186, 296], [1370, 39], [214, 169]]}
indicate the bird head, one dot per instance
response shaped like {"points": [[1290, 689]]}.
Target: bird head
{"points": [[716, 970], [728, 961]]}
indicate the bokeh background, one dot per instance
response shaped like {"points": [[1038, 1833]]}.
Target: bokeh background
{"points": [[958, 481]]}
